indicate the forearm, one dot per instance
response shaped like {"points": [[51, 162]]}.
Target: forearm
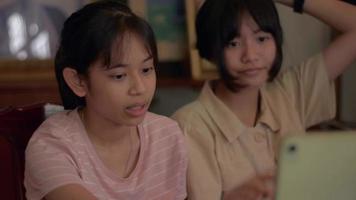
{"points": [[337, 14]]}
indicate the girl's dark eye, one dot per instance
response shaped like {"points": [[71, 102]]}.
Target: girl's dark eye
{"points": [[234, 44], [262, 38], [118, 76], [147, 70]]}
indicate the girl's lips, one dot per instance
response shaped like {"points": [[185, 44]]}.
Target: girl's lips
{"points": [[137, 110], [251, 72]]}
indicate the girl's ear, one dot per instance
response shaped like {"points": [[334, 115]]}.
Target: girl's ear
{"points": [[75, 81]]}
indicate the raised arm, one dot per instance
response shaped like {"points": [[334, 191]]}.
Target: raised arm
{"points": [[341, 16]]}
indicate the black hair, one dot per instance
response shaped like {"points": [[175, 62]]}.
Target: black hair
{"points": [[89, 34], [217, 23]]}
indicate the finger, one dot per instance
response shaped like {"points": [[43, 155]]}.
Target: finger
{"points": [[258, 185], [242, 193], [270, 176], [269, 190], [267, 173], [249, 195], [265, 188]]}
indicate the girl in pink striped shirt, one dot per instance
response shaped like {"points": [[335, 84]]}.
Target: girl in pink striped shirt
{"points": [[106, 145]]}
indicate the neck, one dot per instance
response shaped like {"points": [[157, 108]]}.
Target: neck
{"points": [[108, 138], [105, 133], [244, 103]]}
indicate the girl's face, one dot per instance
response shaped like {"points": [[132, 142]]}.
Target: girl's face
{"points": [[123, 92], [249, 56]]}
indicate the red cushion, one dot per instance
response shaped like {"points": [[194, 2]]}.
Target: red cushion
{"points": [[9, 179], [16, 128]]}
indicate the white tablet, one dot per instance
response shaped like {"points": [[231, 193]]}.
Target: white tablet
{"points": [[317, 166]]}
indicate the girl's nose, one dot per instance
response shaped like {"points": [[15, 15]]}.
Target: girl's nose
{"points": [[249, 52], [137, 86]]}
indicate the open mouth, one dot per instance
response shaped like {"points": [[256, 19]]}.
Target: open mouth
{"points": [[136, 110]]}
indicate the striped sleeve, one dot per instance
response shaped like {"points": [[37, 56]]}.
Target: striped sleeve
{"points": [[48, 166]]}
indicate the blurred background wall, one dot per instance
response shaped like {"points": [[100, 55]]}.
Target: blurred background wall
{"points": [[31, 80]]}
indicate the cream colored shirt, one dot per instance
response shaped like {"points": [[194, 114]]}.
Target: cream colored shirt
{"points": [[223, 152]]}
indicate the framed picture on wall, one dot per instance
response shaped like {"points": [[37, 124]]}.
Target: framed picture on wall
{"points": [[167, 19], [29, 34]]}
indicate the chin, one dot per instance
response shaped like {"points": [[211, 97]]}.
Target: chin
{"points": [[258, 82], [135, 121], [250, 84]]}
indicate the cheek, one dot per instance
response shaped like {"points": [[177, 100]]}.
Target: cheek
{"points": [[107, 90], [151, 83], [271, 54], [230, 59]]}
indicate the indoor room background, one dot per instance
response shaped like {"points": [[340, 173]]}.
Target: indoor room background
{"points": [[29, 30]]}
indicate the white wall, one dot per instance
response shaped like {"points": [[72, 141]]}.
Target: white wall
{"points": [[304, 35], [348, 95]]}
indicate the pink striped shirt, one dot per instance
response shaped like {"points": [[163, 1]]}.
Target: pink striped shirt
{"points": [[61, 153]]}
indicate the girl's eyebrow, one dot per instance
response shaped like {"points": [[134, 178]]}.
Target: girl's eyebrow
{"points": [[147, 59], [257, 30], [125, 65]]}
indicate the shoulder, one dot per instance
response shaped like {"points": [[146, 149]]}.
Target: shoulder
{"points": [[189, 112], [57, 132], [152, 119], [294, 79], [159, 123], [162, 131], [310, 67], [192, 116], [59, 125]]}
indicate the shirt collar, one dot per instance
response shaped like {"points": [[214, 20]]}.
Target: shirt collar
{"points": [[228, 123], [267, 116], [230, 126]]}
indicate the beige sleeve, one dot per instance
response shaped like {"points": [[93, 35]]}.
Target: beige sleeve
{"points": [[311, 91], [203, 176]]}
